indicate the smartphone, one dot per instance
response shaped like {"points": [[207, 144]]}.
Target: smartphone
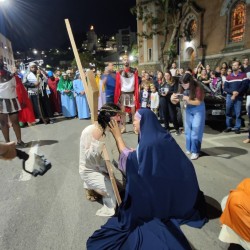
{"points": [[179, 96]]}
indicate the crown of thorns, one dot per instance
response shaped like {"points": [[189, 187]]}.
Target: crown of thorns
{"points": [[111, 110]]}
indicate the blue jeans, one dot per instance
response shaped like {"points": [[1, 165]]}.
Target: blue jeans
{"points": [[248, 112], [233, 105], [109, 98], [194, 127]]}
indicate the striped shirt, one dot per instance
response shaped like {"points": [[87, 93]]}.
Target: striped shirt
{"points": [[237, 83]]}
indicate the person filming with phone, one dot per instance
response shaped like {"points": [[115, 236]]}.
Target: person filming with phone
{"points": [[192, 95]]}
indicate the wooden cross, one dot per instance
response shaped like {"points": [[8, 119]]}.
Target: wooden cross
{"points": [[92, 93]]}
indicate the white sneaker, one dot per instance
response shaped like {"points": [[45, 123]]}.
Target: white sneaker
{"points": [[188, 152], [194, 156], [105, 212]]}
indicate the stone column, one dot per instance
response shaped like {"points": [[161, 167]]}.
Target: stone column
{"points": [[145, 44]]}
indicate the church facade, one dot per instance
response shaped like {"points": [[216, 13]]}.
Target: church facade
{"points": [[212, 32]]}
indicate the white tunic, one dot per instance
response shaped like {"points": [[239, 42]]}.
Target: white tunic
{"points": [[128, 84], [92, 167], [8, 89], [91, 159]]}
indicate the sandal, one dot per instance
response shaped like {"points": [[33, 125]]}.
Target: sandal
{"points": [[21, 144]]}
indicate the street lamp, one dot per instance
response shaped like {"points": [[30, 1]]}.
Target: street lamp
{"points": [[131, 58]]}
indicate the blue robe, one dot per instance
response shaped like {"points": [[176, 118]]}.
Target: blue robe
{"points": [[162, 193], [68, 105], [67, 99], [81, 100]]}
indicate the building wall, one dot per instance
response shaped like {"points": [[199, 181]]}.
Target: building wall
{"points": [[6, 52], [210, 42], [125, 39]]}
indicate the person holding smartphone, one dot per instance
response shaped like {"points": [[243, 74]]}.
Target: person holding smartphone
{"points": [[193, 98]]}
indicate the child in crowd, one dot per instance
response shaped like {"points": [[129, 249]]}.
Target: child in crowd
{"points": [[154, 99], [215, 83], [145, 96]]}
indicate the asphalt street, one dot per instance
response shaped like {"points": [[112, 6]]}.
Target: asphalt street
{"points": [[51, 212]]}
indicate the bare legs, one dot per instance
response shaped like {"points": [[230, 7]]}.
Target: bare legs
{"points": [[5, 126], [123, 118]]}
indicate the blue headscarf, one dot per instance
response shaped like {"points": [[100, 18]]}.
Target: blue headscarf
{"points": [[161, 193]]}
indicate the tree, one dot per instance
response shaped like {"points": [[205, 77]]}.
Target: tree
{"points": [[166, 23], [87, 58]]}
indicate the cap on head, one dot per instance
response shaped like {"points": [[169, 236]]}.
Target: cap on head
{"points": [[50, 73], [32, 64]]}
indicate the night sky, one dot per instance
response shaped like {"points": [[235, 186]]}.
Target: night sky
{"points": [[40, 23]]}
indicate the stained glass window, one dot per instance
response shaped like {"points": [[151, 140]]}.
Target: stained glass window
{"points": [[238, 21]]}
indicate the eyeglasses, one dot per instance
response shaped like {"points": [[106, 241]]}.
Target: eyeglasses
{"points": [[183, 83]]}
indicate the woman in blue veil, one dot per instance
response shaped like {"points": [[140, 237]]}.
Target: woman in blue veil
{"points": [[162, 193]]}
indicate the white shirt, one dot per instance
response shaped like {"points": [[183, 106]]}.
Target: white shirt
{"points": [[128, 84], [173, 71], [91, 159], [32, 78], [154, 100]]}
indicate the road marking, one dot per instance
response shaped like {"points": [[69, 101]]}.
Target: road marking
{"points": [[29, 165], [212, 139]]}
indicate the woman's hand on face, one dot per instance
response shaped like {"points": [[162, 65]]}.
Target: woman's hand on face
{"points": [[114, 128]]}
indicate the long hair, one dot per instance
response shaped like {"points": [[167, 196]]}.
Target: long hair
{"points": [[171, 78], [106, 112], [193, 85]]}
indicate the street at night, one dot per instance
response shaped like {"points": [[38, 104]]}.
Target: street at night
{"points": [[124, 125], [51, 212]]}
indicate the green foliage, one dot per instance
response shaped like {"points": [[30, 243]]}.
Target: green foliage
{"points": [[87, 58], [171, 52], [166, 20]]}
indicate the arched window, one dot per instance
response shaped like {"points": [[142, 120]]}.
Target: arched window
{"points": [[237, 22]]}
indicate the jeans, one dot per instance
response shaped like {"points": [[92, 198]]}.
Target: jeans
{"points": [[236, 106], [248, 113], [194, 127], [248, 106]]}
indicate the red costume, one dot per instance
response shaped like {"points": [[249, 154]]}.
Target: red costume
{"points": [[54, 94], [118, 87], [26, 114]]}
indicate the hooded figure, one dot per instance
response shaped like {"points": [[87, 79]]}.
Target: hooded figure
{"points": [[162, 193], [65, 86], [54, 96]]}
